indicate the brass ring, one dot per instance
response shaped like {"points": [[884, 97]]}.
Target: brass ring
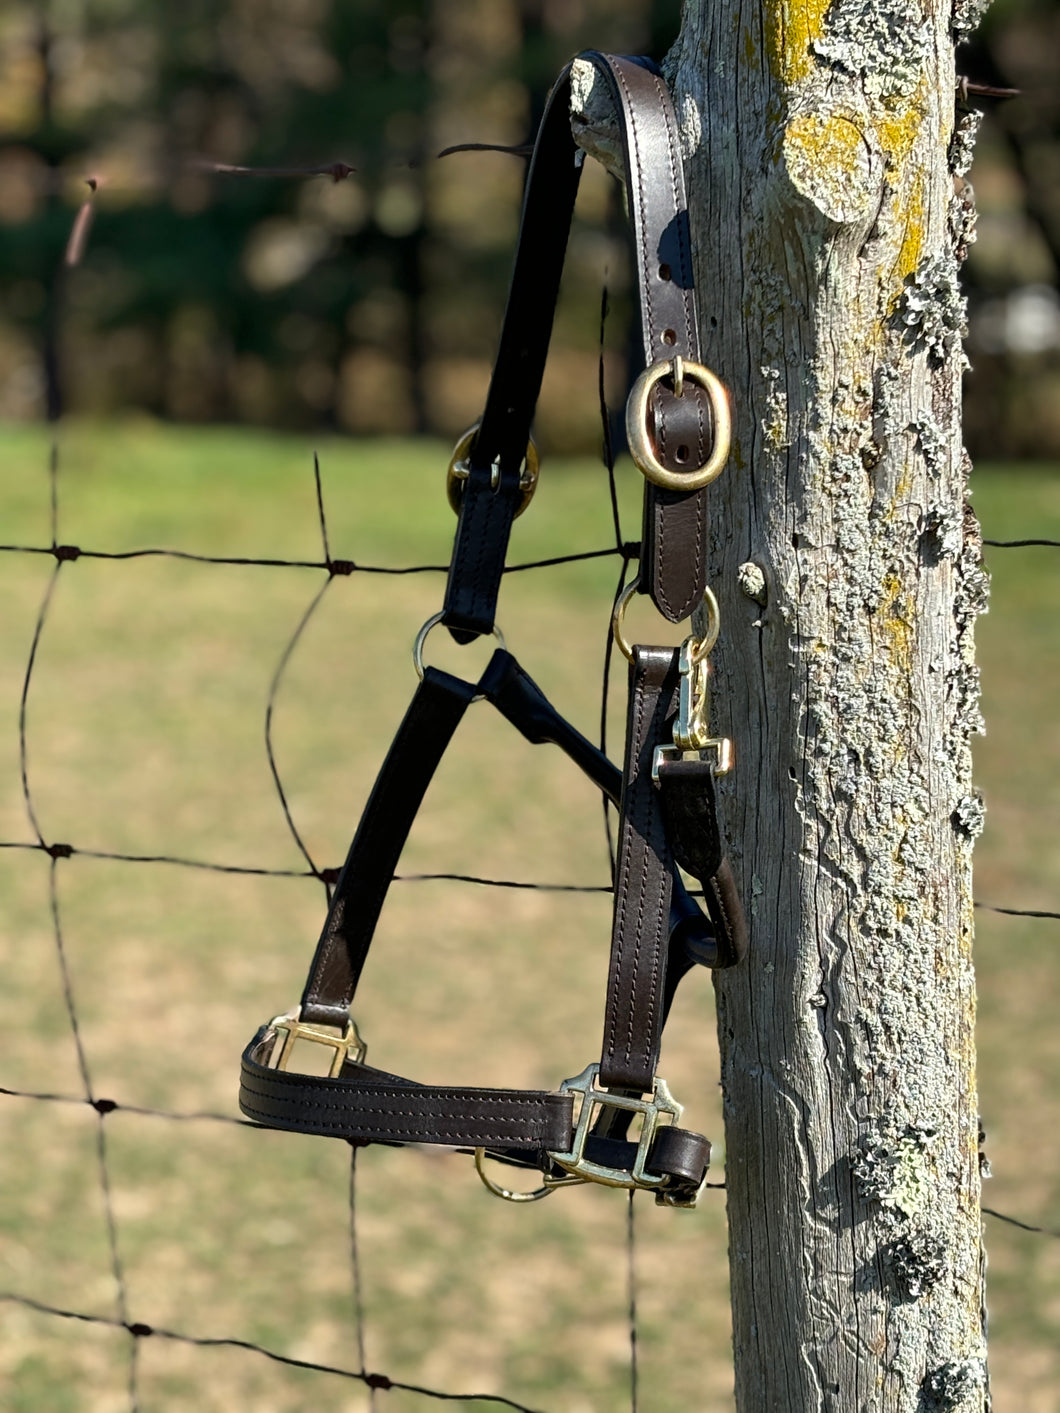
{"points": [[640, 447], [421, 638], [618, 614], [505, 1192], [702, 645], [457, 473]]}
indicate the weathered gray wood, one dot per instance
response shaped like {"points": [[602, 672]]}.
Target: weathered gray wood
{"points": [[822, 158]]}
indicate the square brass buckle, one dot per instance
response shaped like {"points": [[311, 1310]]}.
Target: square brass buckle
{"points": [[661, 1104], [289, 1028]]}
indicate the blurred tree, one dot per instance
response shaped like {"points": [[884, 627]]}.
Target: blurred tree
{"points": [[1013, 271], [371, 303]]}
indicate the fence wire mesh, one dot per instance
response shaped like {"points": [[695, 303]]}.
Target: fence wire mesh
{"points": [[125, 1316], [58, 852]]}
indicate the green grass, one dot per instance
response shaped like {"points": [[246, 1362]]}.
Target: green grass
{"points": [[146, 736]]}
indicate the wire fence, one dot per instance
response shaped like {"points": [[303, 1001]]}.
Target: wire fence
{"points": [[59, 853]]}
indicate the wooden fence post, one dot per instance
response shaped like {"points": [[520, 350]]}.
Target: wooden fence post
{"points": [[826, 156]]}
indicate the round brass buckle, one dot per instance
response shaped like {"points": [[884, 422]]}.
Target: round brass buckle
{"points": [[640, 447], [458, 471]]}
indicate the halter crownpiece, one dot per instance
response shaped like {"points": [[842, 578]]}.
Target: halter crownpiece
{"points": [[678, 431]]}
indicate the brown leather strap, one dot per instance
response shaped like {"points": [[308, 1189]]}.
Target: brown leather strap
{"points": [[691, 813], [673, 568], [521, 701], [490, 500], [433, 715], [371, 1106], [639, 938], [519, 1127]]}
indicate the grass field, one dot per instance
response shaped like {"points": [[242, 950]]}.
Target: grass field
{"points": [[146, 737]]}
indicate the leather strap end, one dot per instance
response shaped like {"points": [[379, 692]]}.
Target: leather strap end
{"points": [[726, 912], [681, 1155]]}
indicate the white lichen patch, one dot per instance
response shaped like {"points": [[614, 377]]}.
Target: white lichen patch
{"points": [[916, 1261], [932, 309], [887, 404], [757, 889], [893, 1171], [689, 125], [961, 218], [967, 15], [969, 816], [752, 581], [934, 444], [953, 1387], [945, 524], [885, 43], [962, 143]]}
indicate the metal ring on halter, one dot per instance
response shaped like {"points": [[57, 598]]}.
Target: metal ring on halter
{"points": [[640, 447], [702, 646], [457, 474], [421, 638], [505, 1192]]}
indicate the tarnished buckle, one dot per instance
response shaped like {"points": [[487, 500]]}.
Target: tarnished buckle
{"points": [[661, 1105], [289, 1028], [459, 471]]}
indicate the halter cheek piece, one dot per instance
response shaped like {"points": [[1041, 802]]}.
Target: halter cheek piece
{"points": [[677, 424]]}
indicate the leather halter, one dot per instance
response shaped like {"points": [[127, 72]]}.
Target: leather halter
{"points": [[665, 792]]}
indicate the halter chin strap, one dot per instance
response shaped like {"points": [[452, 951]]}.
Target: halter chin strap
{"points": [[665, 793]]}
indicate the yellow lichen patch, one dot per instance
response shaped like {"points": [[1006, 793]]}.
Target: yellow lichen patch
{"points": [[896, 620], [912, 235], [897, 128], [898, 125], [791, 28], [829, 162], [892, 276]]}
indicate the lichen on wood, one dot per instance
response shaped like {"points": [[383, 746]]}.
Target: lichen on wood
{"points": [[828, 232]]}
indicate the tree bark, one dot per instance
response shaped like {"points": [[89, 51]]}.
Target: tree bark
{"points": [[821, 155]]}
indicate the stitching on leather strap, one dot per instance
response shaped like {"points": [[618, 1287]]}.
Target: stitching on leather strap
{"points": [[652, 907]]}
